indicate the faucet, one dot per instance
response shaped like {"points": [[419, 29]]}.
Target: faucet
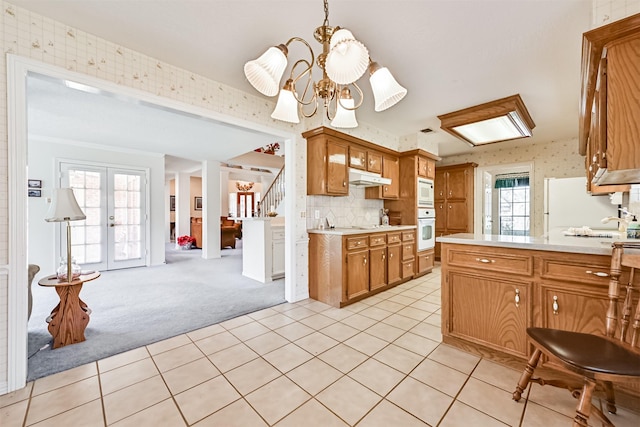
{"points": [[623, 221]]}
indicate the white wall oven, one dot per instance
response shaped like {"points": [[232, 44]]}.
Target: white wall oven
{"points": [[426, 228], [426, 193]]}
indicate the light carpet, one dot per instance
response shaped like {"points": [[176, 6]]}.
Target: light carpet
{"points": [[139, 306]]}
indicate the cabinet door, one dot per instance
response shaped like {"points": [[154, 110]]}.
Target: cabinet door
{"points": [[277, 258], [623, 104], [337, 168], [441, 217], [357, 273], [431, 168], [439, 185], [394, 257], [425, 261], [374, 162], [456, 184], [422, 166], [456, 215], [357, 157], [391, 169], [578, 310], [377, 267], [486, 311]]}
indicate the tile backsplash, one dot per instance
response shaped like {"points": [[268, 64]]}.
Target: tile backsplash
{"points": [[348, 211]]}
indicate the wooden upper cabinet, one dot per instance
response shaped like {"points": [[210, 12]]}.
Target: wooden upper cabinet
{"points": [[610, 104], [623, 105], [374, 162], [361, 158], [327, 170], [357, 157], [439, 185], [391, 170], [456, 184], [426, 167]]}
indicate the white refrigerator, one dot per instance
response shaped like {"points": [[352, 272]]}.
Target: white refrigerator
{"points": [[567, 204]]}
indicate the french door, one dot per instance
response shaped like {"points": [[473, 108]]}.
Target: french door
{"points": [[113, 235]]}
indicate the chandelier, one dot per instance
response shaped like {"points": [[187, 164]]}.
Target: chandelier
{"points": [[343, 61]]}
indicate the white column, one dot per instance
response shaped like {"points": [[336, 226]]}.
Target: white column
{"points": [[211, 193], [183, 204], [167, 215], [224, 193]]}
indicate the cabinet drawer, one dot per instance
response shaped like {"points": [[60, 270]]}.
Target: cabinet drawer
{"points": [[277, 234], [492, 261], [357, 242], [594, 271], [407, 269], [393, 238], [408, 236], [407, 251], [425, 261], [377, 240]]}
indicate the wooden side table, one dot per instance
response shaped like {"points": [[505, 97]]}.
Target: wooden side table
{"points": [[70, 317]]}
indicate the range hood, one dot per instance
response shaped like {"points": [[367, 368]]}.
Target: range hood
{"points": [[366, 179]]}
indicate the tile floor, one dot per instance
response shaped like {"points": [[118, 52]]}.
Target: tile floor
{"points": [[379, 362]]}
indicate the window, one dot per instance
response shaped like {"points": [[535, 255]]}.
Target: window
{"points": [[514, 204]]}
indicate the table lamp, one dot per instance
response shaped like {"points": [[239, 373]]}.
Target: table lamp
{"points": [[64, 207]]}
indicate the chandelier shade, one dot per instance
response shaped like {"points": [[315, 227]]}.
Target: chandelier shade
{"points": [[287, 106], [386, 90], [345, 111], [348, 59], [265, 73], [343, 61]]}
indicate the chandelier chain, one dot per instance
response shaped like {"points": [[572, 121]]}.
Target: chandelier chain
{"points": [[326, 13]]}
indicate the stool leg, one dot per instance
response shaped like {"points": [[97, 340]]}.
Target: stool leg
{"points": [[611, 398], [527, 374], [583, 410]]}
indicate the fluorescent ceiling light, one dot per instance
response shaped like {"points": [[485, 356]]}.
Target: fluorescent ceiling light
{"points": [[501, 120]]}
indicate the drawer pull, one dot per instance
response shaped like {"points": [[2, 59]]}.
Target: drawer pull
{"points": [[597, 273], [517, 298], [485, 261], [555, 305]]}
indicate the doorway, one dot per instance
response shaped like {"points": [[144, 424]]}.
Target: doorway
{"points": [[114, 234], [504, 203]]}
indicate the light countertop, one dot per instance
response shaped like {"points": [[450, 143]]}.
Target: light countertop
{"points": [[361, 230], [585, 245]]}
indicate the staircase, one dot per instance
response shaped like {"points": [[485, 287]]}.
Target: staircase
{"points": [[274, 195]]}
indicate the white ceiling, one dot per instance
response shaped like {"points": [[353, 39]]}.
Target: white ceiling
{"points": [[449, 54]]}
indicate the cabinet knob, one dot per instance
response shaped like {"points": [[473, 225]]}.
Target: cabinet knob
{"points": [[365, 260], [485, 261], [383, 257], [450, 207], [450, 192], [344, 183], [555, 305], [391, 255], [517, 298]]}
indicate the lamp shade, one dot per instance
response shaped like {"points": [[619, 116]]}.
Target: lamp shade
{"points": [[64, 207], [287, 106], [265, 73], [347, 59], [345, 114], [386, 90]]}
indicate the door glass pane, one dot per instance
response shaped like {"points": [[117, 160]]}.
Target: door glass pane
{"points": [[85, 235], [127, 211]]}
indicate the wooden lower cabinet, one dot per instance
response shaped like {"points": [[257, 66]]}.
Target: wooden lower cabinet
{"points": [[490, 311], [357, 270], [425, 261], [491, 295], [394, 263], [345, 269], [377, 267]]}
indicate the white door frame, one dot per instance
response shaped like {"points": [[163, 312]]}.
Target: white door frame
{"points": [[497, 169], [18, 69]]}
